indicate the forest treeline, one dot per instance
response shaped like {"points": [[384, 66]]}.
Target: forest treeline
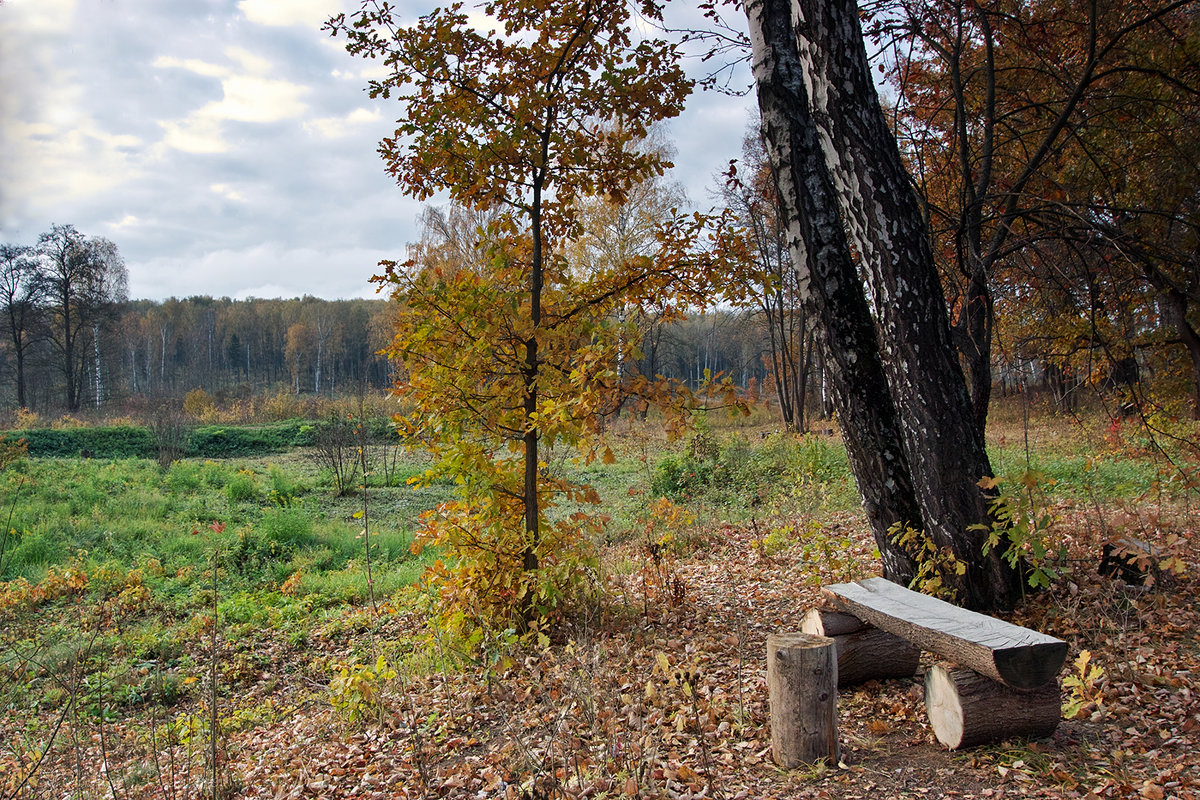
{"points": [[117, 356], [130, 355]]}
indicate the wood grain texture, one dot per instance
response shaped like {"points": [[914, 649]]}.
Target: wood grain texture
{"points": [[864, 652], [967, 709], [802, 687], [1016, 656]]}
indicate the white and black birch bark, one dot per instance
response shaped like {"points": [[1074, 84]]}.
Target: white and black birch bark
{"points": [[830, 282], [943, 447]]}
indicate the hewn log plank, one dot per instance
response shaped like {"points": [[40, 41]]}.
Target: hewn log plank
{"points": [[1016, 656], [864, 652], [802, 688], [966, 709]]}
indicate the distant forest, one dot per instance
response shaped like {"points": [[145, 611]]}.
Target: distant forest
{"points": [[143, 352]]}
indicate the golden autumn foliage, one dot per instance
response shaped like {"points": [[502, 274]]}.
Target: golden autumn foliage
{"points": [[508, 349]]}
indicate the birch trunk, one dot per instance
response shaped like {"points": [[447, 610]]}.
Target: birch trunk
{"points": [[829, 281], [816, 78]]}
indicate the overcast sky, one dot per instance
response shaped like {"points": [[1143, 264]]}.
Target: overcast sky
{"points": [[226, 146]]}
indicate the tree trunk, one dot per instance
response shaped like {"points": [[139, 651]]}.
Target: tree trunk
{"points": [[829, 281], [863, 167], [978, 348], [96, 355], [1176, 304]]}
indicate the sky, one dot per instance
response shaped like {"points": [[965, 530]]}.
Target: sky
{"points": [[228, 147]]}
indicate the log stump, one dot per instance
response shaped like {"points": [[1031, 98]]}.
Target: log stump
{"points": [[1133, 561], [864, 652], [967, 709], [802, 685]]}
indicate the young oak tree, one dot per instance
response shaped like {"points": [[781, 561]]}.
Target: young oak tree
{"points": [[512, 351]]}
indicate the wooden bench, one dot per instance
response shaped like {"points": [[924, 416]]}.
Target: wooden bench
{"points": [[1001, 679]]}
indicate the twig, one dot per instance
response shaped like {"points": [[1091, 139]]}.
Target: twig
{"points": [[213, 730]]}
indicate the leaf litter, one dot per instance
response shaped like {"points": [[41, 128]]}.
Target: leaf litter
{"points": [[661, 693]]}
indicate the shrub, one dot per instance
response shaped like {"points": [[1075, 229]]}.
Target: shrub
{"points": [[122, 441], [198, 404], [355, 690], [219, 441], [336, 451], [12, 451], [26, 419], [242, 487], [170, 435]]}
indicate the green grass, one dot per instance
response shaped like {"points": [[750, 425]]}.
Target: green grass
{"points": [[123, 512], [290, 553]]}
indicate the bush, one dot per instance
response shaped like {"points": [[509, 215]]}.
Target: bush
{"points": [[170, 434], [198, 404], [336, 452], [221, 441], [11, 451], [123, 441], [242, 487]]}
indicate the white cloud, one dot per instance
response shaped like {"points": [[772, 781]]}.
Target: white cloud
{"points": [[335, 127], [249, 61], [65, 159], [228, 192], [196, 133], [39, 17], [125, 223], [252, 99], [191, 65], [280, 13], [247, 97]]}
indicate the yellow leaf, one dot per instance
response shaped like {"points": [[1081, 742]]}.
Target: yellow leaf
{"points": [[608, 457]]}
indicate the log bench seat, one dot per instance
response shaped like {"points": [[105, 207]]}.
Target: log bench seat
{"points": [[999, 679]]}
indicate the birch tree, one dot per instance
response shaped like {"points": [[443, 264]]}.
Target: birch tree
{"points": [[905, 411]]}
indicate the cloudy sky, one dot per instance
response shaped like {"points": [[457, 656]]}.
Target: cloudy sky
{"points": [[226, 146]]}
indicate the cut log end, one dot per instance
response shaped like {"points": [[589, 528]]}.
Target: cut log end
{"points": [[967, 709], [1031, 667]]}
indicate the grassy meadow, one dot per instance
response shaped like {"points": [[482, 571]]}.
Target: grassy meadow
{"points": [[232, 594]]}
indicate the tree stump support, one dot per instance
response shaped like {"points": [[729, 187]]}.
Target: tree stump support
{"points": [[864, 652], [802, 684], [967, 709]]}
